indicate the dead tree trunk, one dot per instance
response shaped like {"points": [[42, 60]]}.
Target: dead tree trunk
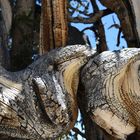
{"points": [[22, 34], [5, 27], [54, 25], [39, 102]]}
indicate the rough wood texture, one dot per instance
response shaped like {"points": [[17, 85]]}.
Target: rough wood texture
{"points": [[54, 30], [92, 130], [112, 85], [40, 101]]}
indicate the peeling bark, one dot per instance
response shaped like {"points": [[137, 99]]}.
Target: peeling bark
{"points": [[53, 26]]}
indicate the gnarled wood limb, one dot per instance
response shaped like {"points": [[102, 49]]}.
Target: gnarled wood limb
{"points": [[40, 101], [112, 85], [93, 17]]}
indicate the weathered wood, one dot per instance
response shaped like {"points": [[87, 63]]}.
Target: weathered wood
{"points": [[111, 82], [40, 101], [92, 130], [53, 27]]}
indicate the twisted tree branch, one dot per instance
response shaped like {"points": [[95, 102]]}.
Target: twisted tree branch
{"points": [[92, 17]]}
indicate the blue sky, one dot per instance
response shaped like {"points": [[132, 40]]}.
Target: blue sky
{"points": [[111, 34]]}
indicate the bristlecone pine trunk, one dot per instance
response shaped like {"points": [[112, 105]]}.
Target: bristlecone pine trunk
{"points": [[28, 86]]}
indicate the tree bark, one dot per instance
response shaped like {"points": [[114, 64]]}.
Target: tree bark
{"points": [[111, 83], [130, 29], [54, 34], [92, 130], [53, 27], [22, 34], [39, 102], [5, 26]]}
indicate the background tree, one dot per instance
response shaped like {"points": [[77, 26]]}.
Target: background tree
{"points": [[5, 26]]}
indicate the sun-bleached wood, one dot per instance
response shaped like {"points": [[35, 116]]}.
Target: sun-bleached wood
{"points": [[40, 101], [112, 85]]}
